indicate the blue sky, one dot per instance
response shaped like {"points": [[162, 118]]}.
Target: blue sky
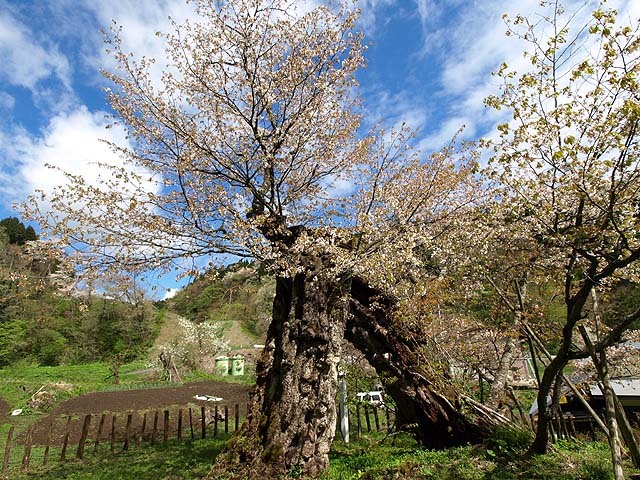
{"points": [[429, 65]]}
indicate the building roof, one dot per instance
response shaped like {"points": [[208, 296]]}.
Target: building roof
{"points": [[623, 387]]}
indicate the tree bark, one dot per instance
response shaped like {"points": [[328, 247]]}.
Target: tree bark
{"points": [[602, 368], [423, 407], [498, 389], [291, 420]]}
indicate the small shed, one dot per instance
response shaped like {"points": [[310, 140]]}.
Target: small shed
{"points": [[628, 392]]}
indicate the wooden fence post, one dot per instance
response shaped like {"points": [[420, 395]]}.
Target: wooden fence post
{"points": [[359, 423], [27, 448], [99, 434], [203, 422], [142, 429], [45, 459], [155, 428], [366, 417], [112, 447], [127, 432], [191, 424], [166, 426], [65, 441], [83, 436], [237, 412], [375, 417], [226, 419], [180, 424], [7, 450], [215, 421]]}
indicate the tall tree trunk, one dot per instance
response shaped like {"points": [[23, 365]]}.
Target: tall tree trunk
{"points": [[427, 409], [291, 420], [602, 368], [551, 372]]}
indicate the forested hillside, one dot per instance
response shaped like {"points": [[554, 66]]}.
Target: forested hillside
{"points": [[44, 320], [238, 298]]}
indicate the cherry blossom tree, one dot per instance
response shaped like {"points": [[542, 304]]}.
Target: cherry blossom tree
{"points": [[566, 166], [247, 144]]}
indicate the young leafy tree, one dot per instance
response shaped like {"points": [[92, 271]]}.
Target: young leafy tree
{"points": [[566, 166], [240, 148]]}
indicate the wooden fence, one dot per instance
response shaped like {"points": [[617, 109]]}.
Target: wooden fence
{"points": [[370, 417], [76, 437], [96, 433]]}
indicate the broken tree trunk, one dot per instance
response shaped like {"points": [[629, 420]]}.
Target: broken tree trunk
{"points": [[291, 420], [432, 412]]}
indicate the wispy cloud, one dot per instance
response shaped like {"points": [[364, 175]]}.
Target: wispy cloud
{"points": [[26, 61], [140, 21], [71, 142]]}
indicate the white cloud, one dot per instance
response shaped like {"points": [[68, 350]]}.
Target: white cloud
{"points": [[72, 143], [6, 101], [140, 21], [445, 133], [170, 293], [369, 13], [24, 61]]}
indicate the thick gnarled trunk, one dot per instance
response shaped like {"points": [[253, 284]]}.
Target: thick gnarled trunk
{"points": [[422, 407], [292, 414]]}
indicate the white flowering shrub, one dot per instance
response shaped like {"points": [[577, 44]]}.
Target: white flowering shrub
{"points": [[187, 351]]}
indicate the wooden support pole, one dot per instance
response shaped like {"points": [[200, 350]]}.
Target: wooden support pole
{"points": [[83, 436], [366, 417], [627, 432], [96, 444], [359, 423], [65, 440], [215, 421], [376, 419], [180, 424], [142, 429], [600, 363]]}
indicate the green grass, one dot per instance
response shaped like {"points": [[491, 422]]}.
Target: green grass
{"points": [[373, 457], [366, 459], [501, 458], [175, 460], [19, 382]]}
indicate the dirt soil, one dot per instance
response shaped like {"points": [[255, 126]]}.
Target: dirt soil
{"points": [[142, 404]]}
